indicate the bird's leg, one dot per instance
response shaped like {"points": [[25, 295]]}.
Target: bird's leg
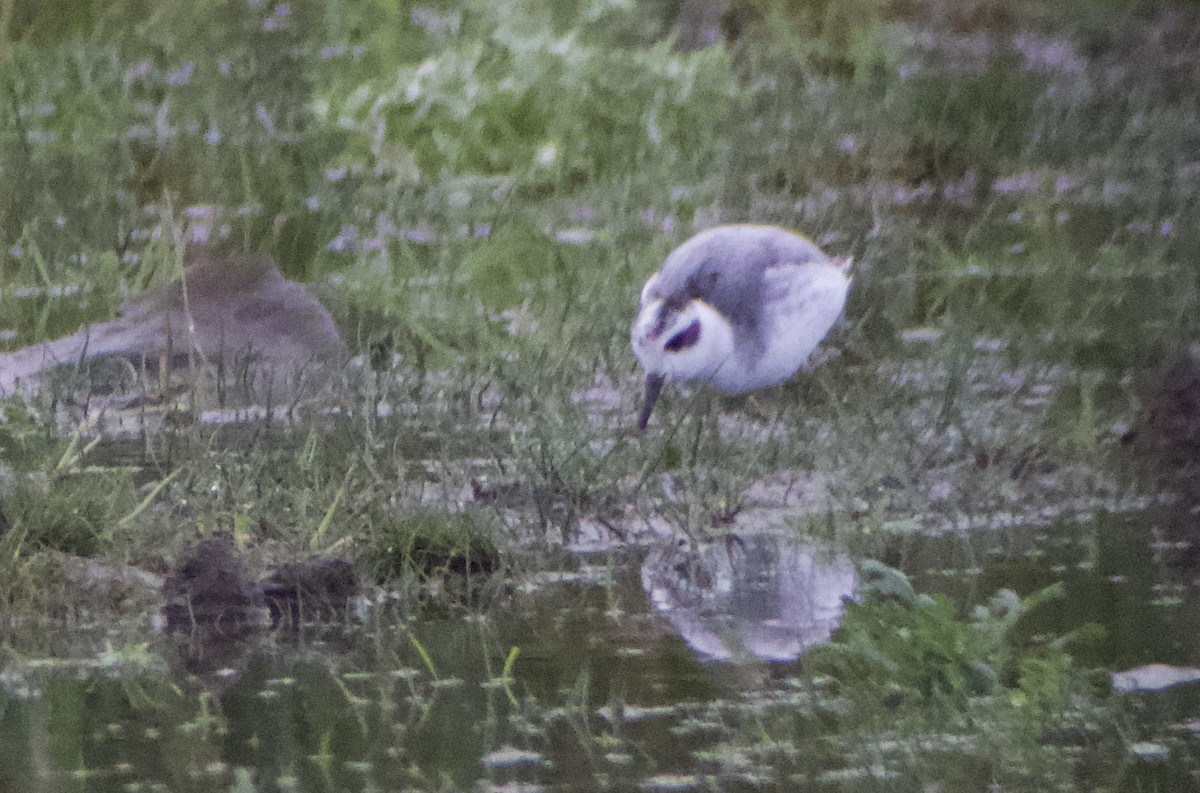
{"points": [[702, 412]]}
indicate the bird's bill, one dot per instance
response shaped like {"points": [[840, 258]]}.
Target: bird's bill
{"points": [[654, 384]]}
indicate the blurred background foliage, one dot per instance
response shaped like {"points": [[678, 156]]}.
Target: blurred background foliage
{"points": [[1029, 170]]}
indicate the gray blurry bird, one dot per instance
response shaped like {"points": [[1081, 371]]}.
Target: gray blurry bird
{"points": [[230, 307]]}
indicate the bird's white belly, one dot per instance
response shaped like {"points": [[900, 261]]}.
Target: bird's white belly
{"points": [[779, 361], [793, 332]]}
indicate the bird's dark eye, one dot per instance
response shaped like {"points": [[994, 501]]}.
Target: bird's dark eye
{"points": [[684, 338]]}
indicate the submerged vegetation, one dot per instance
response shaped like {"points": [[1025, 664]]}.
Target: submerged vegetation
{"points": [[477, 191]]}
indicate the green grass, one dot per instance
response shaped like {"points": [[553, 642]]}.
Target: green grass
{"points": [[490, 185], [493, 200]]}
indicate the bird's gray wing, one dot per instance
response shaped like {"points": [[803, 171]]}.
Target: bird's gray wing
{"points": [[741, 278], [805, 288], [733, 286], [726, 267]]}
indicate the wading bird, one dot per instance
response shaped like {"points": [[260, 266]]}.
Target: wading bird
{"points": [[738, 307]]}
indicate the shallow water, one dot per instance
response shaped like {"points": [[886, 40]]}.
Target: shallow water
{"points": [[1011, 189], [672, 666], [603, 691]]}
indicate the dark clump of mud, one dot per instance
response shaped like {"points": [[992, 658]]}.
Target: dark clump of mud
{"points": [[217, 608], [314, 589], [1166, 434], [1164, 453], [210, 590], [433, 558]]}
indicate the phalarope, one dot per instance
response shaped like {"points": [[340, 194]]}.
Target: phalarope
{"points": [[739, 307]]}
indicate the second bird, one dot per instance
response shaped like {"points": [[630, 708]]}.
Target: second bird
{"points": [[739, 307]]}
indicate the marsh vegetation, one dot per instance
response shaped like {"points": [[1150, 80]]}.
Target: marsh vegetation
{"points": [[477, 191]]}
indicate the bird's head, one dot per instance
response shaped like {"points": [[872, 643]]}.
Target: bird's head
{"points": [[677, 337]]}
